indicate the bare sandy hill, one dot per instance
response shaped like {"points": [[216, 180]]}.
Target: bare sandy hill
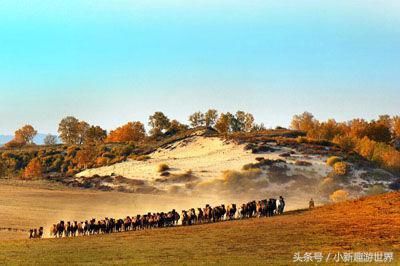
{"points": [[207, 157], [211, 166]]}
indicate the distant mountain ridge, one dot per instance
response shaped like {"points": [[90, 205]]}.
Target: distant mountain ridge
{"points": [[39, 138]]}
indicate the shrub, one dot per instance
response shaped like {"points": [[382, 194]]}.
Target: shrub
{"points": [[376, 189], [250, 166], [301, 140], [332, 160], [341, 168], [163, 167], [33, 169], [101, 161], [347, 143], [140, 157], [14, 144], [108, 155], [303, 163], [339, 195], [229, 175]]}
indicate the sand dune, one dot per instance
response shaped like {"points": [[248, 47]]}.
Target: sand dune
{"points": [[207, 157]]}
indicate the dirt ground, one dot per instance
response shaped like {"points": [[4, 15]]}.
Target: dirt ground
{"points": [[25, 206]]}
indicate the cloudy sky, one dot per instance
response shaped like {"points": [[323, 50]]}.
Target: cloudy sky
{"points": [[109, 62]]}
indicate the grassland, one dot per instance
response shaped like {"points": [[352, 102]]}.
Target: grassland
{"points": [[369, 224]]}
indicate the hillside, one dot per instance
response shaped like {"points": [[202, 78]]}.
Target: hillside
{"points": [[260, 241], [237, 168]]}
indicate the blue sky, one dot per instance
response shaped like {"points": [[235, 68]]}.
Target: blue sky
{"points": [[109, 62]]}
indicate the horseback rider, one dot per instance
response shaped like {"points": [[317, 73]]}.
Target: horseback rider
{"points": [[281, 205], [311, 204]]}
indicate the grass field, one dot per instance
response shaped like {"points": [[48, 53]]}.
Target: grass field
{"points": [[368, 225]]}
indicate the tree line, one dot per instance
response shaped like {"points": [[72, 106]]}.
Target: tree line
{"points": [[74, 131], [376, 140]]}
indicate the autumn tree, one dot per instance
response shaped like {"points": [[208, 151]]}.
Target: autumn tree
{"points": [[72, 131], [159, 123], [25, 134], [305, 122], [69, 130], [50, 140], [176, 126], [95, 134], [223, 123], [396, 126], [241, 121], [379, 132], [385, 120], [210, 117], [347, 143], [83, 128], [132, 131], [358, 128], [248, 122], [33, 169], [258, 127], [325, 130], [366, 147], [197, 119]]}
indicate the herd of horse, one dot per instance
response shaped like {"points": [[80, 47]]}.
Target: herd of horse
{"points": [[262, 208]]}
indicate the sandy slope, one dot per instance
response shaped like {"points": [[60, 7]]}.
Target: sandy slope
{"points": [[206, 157]]}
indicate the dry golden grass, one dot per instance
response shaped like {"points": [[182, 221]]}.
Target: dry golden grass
{"points": [[369, 224]]}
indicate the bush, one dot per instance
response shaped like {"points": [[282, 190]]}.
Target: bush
{"points": [[341, 168], [33, 169], [101, 161], [242, 181], [14, 144], [339, 195], [347, 143], [332, 160], [250, 166], [163, 167], [108, 155], [376, 189], [303, 163], [140, 157], [301, 140]]}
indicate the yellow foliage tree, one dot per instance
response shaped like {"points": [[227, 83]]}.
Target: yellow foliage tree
{"points": [[396, 127], [25, 134], [132, 131]]}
